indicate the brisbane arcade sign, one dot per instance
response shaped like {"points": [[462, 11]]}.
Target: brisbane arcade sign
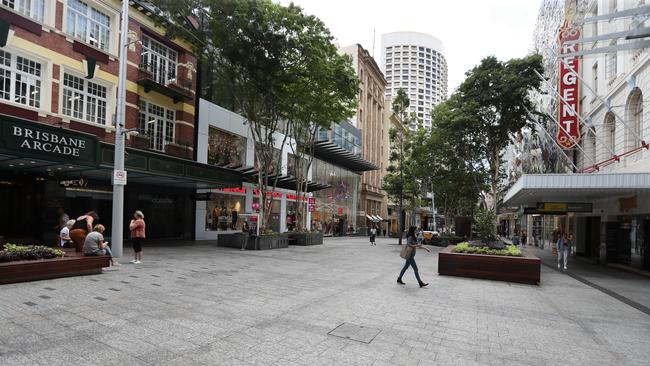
{"points": [[568, 132], [47, 142]]}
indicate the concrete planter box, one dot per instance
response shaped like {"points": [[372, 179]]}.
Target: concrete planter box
{"points": [[305, 239], [524, 269], [273, 241], [234, 240]]}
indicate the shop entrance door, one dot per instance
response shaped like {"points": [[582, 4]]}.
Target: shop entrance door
{"points": [[593, 237]]}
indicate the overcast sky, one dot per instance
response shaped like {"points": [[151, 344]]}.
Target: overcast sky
{"points": [[469, 29]]}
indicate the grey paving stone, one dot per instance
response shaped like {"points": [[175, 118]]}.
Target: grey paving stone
{"points": [[277, 307]]}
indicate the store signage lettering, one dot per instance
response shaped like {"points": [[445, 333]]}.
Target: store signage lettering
{"points": [[48, 142], [568, 133]]}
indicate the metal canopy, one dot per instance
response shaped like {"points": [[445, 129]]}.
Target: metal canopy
{"points": [[533, 188], [288, 182], [332, 153]]}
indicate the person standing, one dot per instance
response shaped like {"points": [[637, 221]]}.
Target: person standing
{"points": [[563, 249], [420, 235], [137, 227], [411, 241], [373, 235], [524, 237], [94, 244], [82, 226]]}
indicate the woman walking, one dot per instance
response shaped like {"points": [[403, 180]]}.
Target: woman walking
{"points": [[137, 227], [82, 226], [411, 242], [373, 235]]}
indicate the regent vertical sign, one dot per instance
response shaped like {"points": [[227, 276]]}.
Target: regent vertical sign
{"points": [[568, 133]]}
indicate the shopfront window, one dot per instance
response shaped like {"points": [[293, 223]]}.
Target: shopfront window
{"points": [[223, 212], [335, 207], [225, 148], [276, 159]]}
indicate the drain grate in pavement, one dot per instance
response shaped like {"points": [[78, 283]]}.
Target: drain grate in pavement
{"points": [[100, 298], [125, 282], [155, 284], [44, 297], [355, 332], [155, 276], [29, 303], [114, 289]]}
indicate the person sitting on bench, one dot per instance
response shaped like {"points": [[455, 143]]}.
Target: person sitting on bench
{"points": [[94, 244]]}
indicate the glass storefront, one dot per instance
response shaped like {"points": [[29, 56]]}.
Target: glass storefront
{"points": [[335, 207], [225, 148], [223, 212]]}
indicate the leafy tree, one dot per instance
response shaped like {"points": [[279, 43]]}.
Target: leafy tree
{"points": [[279, 70], [400, 181], [495, 98], [484, 224]]}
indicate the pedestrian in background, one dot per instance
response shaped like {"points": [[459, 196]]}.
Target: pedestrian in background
{"points": [[563, 249], [411, 241], [137, 227], [373, 235], [94, 244], [420, 235], [82, 226]]}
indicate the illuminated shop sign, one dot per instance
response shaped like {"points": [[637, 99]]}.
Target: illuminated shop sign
{"points": [[569, 134]]}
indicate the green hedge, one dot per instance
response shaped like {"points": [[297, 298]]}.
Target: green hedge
{"points": [[12, 252], [510, 250]]}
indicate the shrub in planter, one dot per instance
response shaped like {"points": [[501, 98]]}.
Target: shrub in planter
{"points": [[12, 252], [510, 250]]}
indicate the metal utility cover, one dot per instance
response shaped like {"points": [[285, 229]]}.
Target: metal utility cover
{"points": [[355, 332]]}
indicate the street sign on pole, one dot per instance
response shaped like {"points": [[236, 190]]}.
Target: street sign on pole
{"points": [[119, 177]]}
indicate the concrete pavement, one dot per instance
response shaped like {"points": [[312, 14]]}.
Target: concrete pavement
{"points": [[203, 305]]}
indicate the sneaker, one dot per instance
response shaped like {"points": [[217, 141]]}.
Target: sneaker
{"points": [[116, 264], [399, 280], [558, 266], [137, 262], [565, 268], [133, 261]]}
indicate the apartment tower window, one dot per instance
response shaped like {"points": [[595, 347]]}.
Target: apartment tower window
{"points": [[84, 100]]}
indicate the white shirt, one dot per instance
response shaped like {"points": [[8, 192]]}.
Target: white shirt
{"points": [[64, 233]]}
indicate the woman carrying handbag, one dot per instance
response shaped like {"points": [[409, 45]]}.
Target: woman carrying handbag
{"points": [[408, 253]]}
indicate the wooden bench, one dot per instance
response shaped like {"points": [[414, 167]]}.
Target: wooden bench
{"points": [[42, 269]]}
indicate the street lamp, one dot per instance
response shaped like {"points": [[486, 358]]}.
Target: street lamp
{"points": [[120, 131]]}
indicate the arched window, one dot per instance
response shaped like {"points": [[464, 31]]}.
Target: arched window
{"points": [[590, 147], [609, 129], [634, 119]]}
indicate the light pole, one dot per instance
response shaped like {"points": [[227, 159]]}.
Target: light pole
{"points": [[118, 184], [433, 206]]}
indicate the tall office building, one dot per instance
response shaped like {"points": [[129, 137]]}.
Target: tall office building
{"points": [[416, 63]]}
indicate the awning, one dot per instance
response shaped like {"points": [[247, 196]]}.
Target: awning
{"points": [[334, 154], [533, 188], [379, 218], [288, 182]]}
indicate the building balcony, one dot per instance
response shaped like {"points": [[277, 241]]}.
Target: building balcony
{"points": [[173, 86], [143, 142]]}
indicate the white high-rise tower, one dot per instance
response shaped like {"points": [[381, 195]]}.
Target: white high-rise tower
{"points": [[416, 63]]}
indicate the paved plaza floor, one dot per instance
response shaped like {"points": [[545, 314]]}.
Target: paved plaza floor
{"points": [[203, 305]]}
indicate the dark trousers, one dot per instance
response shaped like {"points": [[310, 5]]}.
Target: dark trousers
{"points": [[410, 262]]}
